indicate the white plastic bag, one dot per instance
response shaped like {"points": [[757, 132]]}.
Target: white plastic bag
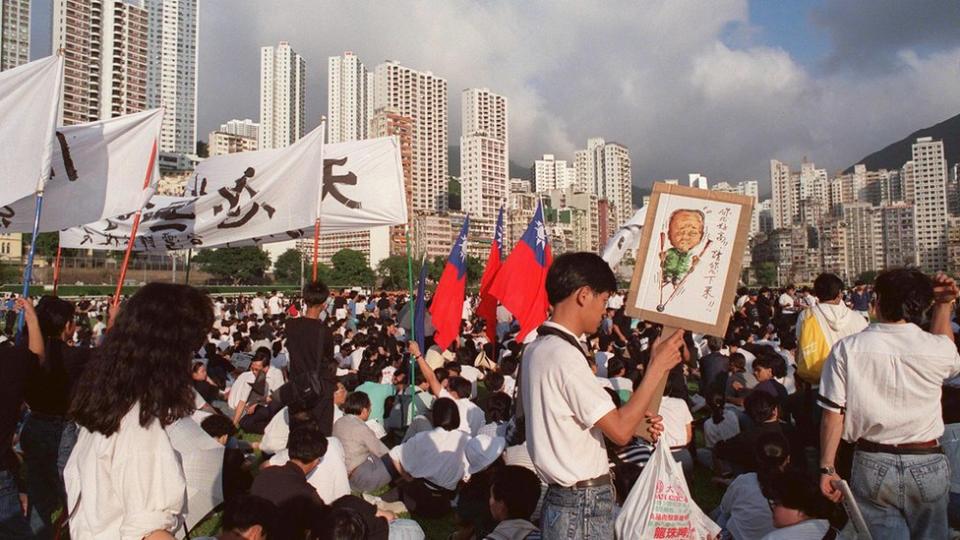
{"points": [[660, 506]]}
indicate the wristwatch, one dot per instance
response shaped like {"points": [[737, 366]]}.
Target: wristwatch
{"points": [[828, 470]]}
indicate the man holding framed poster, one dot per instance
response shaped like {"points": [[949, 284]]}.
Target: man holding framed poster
{"points": [[689, 260]]}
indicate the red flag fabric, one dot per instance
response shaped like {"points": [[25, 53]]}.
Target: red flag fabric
{"points": [[520, 283], [487, 308], [446, 309]]}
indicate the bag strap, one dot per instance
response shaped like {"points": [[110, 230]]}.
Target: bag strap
{"points": [[545, 330]]}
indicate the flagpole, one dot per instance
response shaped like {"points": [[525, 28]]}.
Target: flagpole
{"points": [[413, 330], [186, 279], [316, 247], [56, 268], [28, 271], [133, 229]]}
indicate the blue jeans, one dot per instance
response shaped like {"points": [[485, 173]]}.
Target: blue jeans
{"points": [[951, 447], [578, 513], [41, 441], [902, 496], [12, 523]]}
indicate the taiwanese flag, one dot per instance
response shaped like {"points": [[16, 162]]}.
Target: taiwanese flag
{"points": [[520, 283], [487, 309], [447, 307]]}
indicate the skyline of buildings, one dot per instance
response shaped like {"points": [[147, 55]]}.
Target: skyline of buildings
{"points": [[126, 55]]}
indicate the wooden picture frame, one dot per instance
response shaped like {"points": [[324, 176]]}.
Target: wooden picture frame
{"points": [[716, 259]]}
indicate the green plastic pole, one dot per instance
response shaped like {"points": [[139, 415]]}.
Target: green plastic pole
{"points": [[413, 331]]}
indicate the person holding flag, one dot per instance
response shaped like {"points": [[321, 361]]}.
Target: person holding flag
{"points": [[447, 305], [519, 284], [487, 309]]}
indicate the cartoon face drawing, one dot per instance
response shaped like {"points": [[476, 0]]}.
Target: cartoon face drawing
{"points": [[685, 229]]}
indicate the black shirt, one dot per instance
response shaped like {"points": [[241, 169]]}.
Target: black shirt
{"points": [[17, 363], [311, 348], [299, 507], [50, 386], [711, 366]]}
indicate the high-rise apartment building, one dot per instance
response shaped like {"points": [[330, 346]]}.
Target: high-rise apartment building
{"points": [[105, 58], [14, 33], [899, 235], [784, 200], [420, 96], [929, 179], [697, 180], [604, 170], [172, 45], [749, 188], [349, 98], [484, 153], [282, 91], [550, 173], [233, 137], [386, 123]]}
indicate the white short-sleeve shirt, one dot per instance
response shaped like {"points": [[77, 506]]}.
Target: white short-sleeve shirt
{"points": [[676, 417], [562, 402], [437, 455], [888, 380]]}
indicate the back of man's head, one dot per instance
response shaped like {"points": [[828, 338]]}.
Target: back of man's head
{"points": [[827, 287], [245, 514], [461, 386], [714, 343], [615, 367], [518, 489], [903, 294], [315, 293], [54, 313], [571, 271], [306, 444], [760, 406]]}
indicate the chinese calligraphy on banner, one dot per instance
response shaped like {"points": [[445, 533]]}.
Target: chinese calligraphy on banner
{"points": [[689, 259]]}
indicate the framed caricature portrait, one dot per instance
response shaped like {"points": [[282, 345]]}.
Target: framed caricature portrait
{"points": [[689, 259]]}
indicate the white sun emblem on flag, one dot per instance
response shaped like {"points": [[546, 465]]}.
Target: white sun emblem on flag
{"points": [[463, 250], [541, 234]]}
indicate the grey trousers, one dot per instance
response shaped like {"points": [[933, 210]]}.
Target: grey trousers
{"points": [[370, 475]]}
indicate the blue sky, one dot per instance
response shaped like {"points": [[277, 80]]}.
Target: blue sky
{"points": [[718, 87]]}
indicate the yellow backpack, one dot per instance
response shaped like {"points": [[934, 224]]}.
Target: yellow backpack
{"points": [[812, 350]]}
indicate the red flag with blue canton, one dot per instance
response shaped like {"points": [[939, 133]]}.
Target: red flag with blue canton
{"points": [[447, 306], [487, 308], [520, 285]]}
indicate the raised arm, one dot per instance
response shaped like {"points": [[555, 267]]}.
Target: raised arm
{"points": [[35, 337], [428, 374], [945, 298]]}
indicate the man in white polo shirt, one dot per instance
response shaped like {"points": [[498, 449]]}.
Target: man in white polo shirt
{"points": [[880, 389], [567, 412]]}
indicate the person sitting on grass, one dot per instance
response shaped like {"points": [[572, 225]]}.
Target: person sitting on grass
{"points": [[514, 494], [458, 389], [362, 449], [432, 462], [237, 476], [246, 518], [799, 509]]}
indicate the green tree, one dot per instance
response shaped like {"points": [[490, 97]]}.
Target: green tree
{"points": [[203, 149], [766, 274], [10, 273], [287, 268], [474, 270], [242, 265], [867, 277], [436, 268], [393, 273], [453, 194], [350, 268], [46, 245]]}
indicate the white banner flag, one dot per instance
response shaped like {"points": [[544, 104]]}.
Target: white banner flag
{"points": [[98, 172], [29, 105], [361, 187], [626, 239]]}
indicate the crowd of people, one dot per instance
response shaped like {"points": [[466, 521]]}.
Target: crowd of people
{"points": [[334, 421]]}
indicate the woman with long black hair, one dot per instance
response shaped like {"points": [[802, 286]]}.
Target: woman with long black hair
{"points": [[123, 478]]}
